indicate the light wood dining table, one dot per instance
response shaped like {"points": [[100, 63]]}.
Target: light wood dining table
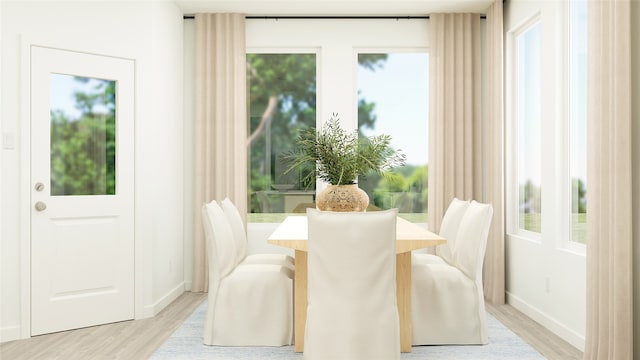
{"points": [[292, 233]]}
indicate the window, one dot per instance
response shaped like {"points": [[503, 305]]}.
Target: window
{"points": [[394, 89], [528, 125], [547, 268], [578, 118], [83, 135], [282, 100], [310, 69]]}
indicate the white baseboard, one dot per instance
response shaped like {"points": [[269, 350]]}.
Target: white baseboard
{"points": [[152, 310], [168, 298], [10, 333], [13, 332], [187, 285], [551, 324]]}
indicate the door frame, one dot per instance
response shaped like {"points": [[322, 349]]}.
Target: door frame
{"points": [[24, 210]]}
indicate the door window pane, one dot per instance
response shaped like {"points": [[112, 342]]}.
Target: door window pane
{"points": [[282, 101], [528, 124], [83, 135], [393, 99], [578, 117]]}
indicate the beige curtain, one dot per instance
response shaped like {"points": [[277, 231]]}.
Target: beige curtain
{"points": [[609, 208], [455, 112], [493, 164], [465, 152], [220, 154]]}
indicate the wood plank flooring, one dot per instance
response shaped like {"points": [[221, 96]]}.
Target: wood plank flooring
{"points": [[544, 341], [131, 340], [138, 339]]}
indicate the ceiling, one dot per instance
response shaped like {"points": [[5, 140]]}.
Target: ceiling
{"points": [[333, 7]]}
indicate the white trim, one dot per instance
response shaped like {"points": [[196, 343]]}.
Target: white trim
{"points": [[573, 247], [167, 299], [283, 50], [25, 192], [568, 335], [512, 211], [568, 242], [10, 333], [525, 25]]}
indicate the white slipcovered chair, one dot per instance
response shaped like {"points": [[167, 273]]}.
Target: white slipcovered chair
{"points": [[248, 305], [447, 298], [448, 230], [240, 237], [352, 311]]}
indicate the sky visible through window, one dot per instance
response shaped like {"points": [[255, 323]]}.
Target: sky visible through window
{"points": [[529, 72], [401, 93], [398, 90], [578, 83], [63, 88], [529, 106], [578, 117], [529, 144]]}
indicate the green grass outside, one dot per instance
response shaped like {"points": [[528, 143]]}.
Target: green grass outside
{"points": [[579, 228], [531, 222], [279, 217]]}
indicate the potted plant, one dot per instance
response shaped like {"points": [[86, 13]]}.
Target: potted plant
{"points": [[339, 157]]}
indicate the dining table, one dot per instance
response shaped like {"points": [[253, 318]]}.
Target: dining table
{"points": [[293, 233]]}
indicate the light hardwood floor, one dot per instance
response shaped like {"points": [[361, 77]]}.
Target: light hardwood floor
{"points": [[547, 343], [131, 340], [138, 339]]}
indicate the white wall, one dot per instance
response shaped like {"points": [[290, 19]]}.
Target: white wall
{"points": [[635, 115], [150, 33], [165, 161], [189, 124], [545, 279]]}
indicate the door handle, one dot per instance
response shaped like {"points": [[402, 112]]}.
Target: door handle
{"points": [[39, 186], [40, 206]]}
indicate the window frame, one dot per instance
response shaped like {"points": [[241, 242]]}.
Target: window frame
{"points": [[569, 244], [512, 127], [556, 221]]}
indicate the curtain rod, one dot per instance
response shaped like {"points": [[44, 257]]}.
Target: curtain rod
{"points": [[305, 17]]}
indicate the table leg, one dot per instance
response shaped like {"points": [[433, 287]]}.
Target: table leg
{"points": [[403, 293], [300, 300]]}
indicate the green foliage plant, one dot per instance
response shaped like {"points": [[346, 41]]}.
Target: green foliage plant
{"points": [[339, 157]]}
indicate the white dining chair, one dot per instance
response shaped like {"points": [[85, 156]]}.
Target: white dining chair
{"points": [[248, 305], [447, 298], [352, 311], [240, 237], [448, 230]]}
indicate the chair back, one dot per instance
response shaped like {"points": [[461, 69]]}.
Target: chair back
{"points": [[221, 246], [248, 305], [471, 239], [449, 228], [207, 226], [237, 228], [352, 310]]}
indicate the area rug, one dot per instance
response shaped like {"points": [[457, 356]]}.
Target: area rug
{"points": [[186, 343]]}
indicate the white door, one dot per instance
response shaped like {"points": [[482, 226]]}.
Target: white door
{"points": [[82, 178]]}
